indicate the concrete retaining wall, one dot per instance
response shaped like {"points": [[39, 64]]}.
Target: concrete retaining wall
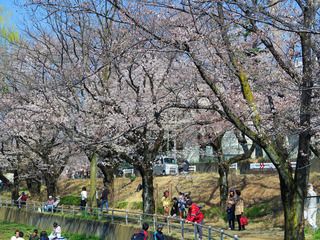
{"points": [[104, 230]]}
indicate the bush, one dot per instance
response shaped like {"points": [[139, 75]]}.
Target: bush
{"points": [[70, 200], [258, 210], [311, 234], [122, 205], [136, 205], [316, 235], [214, 213], [160, 210], [80, 237], [133, 178]]}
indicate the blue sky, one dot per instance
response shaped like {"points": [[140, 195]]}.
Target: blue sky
{"points": [[13, 14]]}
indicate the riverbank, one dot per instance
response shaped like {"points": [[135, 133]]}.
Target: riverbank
{"points": [[7, 230]]}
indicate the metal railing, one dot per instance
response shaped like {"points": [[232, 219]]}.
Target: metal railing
{"points": [[171, 225]]}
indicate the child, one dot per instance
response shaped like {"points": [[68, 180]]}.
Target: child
{"points": [[175, 207], [182, 204]]}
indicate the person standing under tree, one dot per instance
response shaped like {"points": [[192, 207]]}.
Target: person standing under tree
{"points": [[84, 197], [104, 199], [231, 209], [239, 208], [310, 212], [166, 203]]}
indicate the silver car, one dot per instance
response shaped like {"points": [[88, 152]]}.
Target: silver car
{"points": [[165, 166]]}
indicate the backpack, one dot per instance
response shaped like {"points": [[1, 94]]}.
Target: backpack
{"points": [[138, 236]]}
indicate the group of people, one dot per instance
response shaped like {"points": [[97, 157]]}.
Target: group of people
{"points": [[178, 206], [102, 199], [175, 206], [55, 235], [143, 233], [235, 209]]}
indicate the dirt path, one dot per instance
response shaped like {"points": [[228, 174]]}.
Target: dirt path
{"points": [[260, 234]]}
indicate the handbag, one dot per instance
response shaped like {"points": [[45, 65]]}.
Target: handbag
{"points": [[244, 220]]}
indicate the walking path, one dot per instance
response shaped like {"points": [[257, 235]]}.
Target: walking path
{"points": [[173, 226]]}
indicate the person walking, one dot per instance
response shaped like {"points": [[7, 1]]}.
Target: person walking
{"points": [[231, 209], [195, 216], [310, 211], [239, 209], [104, 199], [84, 197]]}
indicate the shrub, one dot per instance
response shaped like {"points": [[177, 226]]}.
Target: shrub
{"points": [[258, 210], [316, 235], [160, 210], [136, 205], [70, 200], [214, 213], [122, 205], [132, 178]]}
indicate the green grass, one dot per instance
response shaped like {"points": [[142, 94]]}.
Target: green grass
{"points": [[310, 234], [316, 235], [70, 200], [214, 213], [136, 205], [7, 230], [122, 205]]}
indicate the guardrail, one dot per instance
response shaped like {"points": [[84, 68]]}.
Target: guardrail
{"points": [[171, 224]]}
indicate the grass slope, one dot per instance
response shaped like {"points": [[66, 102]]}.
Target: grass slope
{"points": [[7, 230]]}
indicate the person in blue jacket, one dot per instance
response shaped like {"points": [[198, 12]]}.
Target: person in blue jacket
{"points": [[158, 235]]}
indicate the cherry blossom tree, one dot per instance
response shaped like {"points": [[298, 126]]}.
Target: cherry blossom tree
{"points": [[247, 53]]}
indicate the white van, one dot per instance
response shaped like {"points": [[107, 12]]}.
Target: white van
{"points": [[165, 166]]}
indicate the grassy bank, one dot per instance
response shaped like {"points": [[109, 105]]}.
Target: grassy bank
{"points": [[7, 230]]}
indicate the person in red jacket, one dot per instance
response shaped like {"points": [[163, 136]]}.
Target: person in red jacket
{"points": [[22, 200], [195, 216]]}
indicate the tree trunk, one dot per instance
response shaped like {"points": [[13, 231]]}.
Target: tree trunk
{"points": [[293, 212], [147, 190], [93, 181], [223, 170], [15, 187], [51, 184], [34, 187], [108, 181], [223, 184]]}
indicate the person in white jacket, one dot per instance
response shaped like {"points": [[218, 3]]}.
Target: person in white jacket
{"points": [[56, 233], [310, 212]]}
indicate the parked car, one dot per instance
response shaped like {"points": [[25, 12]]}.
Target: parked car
{"points": [[165, 166]]}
